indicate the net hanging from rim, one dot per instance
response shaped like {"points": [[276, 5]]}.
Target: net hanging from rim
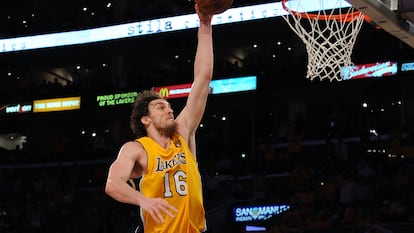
{"points": [[329, 29]]}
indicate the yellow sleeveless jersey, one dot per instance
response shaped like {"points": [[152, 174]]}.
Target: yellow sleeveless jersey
{"points": [[173, 174]]}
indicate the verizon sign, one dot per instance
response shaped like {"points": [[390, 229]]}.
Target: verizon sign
{"points": [[16, 108], [379, 69]]}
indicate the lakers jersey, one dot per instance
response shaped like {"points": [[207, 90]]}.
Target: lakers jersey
{"points": [[173, 174]]}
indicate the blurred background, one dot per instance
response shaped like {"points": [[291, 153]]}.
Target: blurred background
{"points": [[290, 155]]}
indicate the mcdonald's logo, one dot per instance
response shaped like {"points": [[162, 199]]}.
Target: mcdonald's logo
{"points": [[164, 92]]}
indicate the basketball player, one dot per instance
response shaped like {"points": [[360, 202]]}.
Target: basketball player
{"points": [[164, 154]]}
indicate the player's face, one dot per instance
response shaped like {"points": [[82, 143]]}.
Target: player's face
{"points": [[161, 114]]}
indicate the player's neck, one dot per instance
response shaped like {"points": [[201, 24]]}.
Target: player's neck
{"points": [[162, 139]]}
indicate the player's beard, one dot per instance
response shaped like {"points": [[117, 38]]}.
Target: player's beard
{"points": [[169, 130]]}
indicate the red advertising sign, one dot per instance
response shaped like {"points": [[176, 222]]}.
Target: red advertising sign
{"points": [[175, 91], [379, 69]]}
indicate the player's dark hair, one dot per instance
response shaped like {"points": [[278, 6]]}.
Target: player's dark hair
{"points": [[140, 109]]}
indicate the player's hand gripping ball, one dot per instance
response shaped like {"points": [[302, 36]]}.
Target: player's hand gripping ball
{"points": [[213, 7]]}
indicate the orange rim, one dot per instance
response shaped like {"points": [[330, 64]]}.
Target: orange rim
{"points": [[348, 17]]}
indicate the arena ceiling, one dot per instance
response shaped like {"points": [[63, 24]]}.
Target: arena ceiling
{"points": [[258, 47]]}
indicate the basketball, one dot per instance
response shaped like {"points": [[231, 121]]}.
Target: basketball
{"points": [[213, 7]]}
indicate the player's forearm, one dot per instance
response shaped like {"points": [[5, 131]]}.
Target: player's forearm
{"points": [[122, 192], [204, 60]]}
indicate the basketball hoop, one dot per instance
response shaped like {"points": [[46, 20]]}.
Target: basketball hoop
{"points": [[329, 29]]}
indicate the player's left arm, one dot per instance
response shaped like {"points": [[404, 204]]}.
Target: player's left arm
{"points": [[191, 115]]}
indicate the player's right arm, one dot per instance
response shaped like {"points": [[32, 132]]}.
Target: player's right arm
{"points": [[131, 162], [127, 163]]}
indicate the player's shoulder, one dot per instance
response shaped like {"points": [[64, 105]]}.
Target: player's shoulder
{"points": [[132, 148], [131, 144]]}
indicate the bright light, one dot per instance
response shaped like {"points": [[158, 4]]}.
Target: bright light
{"points": [[141, 28], [364, 105]]}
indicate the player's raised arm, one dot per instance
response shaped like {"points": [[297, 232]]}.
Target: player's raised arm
{"points": [[193, 111]]}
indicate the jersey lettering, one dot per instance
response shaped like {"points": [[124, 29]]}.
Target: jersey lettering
{"points": [[167, 164]]}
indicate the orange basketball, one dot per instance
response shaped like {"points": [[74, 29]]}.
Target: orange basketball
{"points": [[213, 7]]}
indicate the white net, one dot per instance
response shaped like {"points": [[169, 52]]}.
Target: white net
{"points": [[329, 33]]}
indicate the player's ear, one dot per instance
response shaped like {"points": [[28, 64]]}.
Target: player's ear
{"points": [[145, 120]]}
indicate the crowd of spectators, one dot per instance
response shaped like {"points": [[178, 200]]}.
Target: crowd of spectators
{"points": [[333, 186], [342, 183]]}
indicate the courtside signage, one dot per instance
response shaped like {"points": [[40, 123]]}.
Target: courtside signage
{"points": [[174, 91], [257, 213], [379, 69], [116, 99], [58, 104], [220, 86], [407, 67], [6, 109], [153, 26]]}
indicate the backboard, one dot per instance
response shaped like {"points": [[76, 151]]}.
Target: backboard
{"points": [[394, 16]]}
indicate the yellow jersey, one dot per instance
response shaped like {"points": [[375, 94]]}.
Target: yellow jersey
{"points": [[173, 174]]}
